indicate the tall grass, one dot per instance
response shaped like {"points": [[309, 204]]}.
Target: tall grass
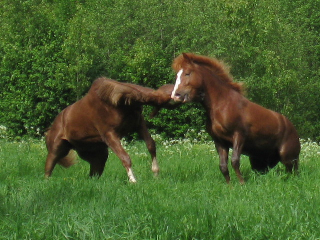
{"points": [[189, 200]]}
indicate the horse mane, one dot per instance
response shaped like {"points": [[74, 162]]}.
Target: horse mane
{"points": [[116, 92], [216, 66]]}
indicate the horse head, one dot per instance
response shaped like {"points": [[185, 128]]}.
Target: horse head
{"points": [[188, 85]]}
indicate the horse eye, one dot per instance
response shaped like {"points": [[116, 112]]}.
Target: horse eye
{"points": [[187, 74]]}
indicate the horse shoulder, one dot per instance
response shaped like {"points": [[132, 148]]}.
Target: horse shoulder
{"points": [[88, 117], [219, 126], [223, 116]]}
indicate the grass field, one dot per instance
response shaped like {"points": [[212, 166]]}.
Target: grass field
{"points": [[189, 200]]}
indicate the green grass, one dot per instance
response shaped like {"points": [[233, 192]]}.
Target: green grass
{"points": [[189, 200]]}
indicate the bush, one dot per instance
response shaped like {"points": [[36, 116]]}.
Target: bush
{"points": [[52, 50]]}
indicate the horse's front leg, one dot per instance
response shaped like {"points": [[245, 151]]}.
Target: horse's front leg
{"points": [[113, 141], [151, 146], [223, 155], [238, 141]]}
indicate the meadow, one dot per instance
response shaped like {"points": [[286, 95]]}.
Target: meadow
{"points": [[189, 199]]}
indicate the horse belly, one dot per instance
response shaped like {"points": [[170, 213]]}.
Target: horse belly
{"points": [[262, 157], [253, 149], [90, 145]]}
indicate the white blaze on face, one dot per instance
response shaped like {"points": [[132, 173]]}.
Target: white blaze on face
{"points": [[178, 81]]}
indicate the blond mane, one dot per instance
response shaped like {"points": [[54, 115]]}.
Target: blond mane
{"points": [[216, 66]]}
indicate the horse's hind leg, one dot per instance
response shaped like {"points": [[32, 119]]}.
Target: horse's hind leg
{"points": [[97, 167], [97, 160], [57, 151], [151, 146], [289, 154]]}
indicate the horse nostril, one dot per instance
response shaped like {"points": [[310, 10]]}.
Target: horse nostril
{"points": [[177, 97], [174, 95]]}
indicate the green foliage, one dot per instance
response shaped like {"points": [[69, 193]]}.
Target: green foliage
{"points": [[189, 199], [50, 52]]}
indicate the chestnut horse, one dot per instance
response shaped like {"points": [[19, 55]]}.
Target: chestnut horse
{"points": [[108, 112], [233, 121]]}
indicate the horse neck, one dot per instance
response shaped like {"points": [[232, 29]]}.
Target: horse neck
{"points": [[215, 92]]}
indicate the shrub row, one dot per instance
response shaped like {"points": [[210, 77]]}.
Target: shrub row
{"points": [[51, 51]]}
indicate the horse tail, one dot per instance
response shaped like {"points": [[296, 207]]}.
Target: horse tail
{"points": [[68, 160]]}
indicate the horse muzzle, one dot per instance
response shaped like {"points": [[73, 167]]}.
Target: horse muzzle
{"points": [[180, 98]]}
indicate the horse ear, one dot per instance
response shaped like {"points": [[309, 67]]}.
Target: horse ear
{"points": [[187, 57]]}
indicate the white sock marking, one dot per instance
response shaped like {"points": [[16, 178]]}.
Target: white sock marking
{"points": [[155, 166], [178, 81], [131, 176]]}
